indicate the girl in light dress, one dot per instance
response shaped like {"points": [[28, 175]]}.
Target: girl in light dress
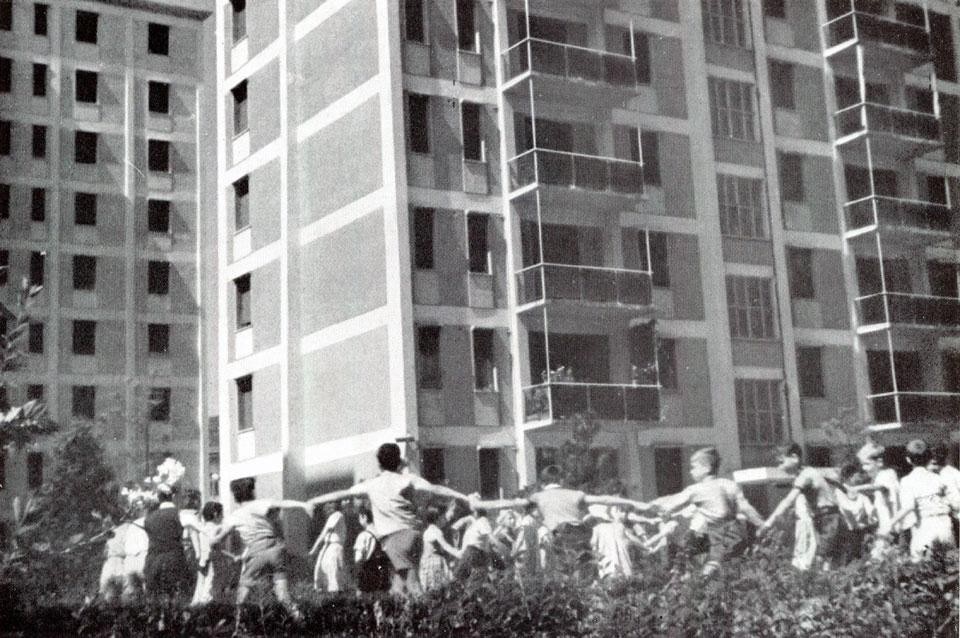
{"points": [[112, 573], [611, 542], [434, 569], [329, 573], [135, 544]]}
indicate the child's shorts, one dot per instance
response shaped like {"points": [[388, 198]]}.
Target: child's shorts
{"points": [[270, 562]]}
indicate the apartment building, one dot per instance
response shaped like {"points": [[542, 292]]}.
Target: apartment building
{"points": [[458, 223], [101, 118]]}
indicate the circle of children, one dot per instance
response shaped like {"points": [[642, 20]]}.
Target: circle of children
{"points": [[405, 548]]}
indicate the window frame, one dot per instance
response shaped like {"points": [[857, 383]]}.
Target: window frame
{"points": [[429, 364], [241, 119], [38, 204], [418, 133], [158, 37], [159, 402], [41, 16], [659, 252], [241, 203], [740, 202], [733, 109], [84, 272], [468, 41], [85, 147], [415, 31], [800, 273], [723, 27], [6, 15], [6, 74], [158, 277], [80, 395], [35, 337], [750, 308], [810, 358], [243, 291], [791, 176], [783, 88], [238, 20], [39, 79], [158, 97], [244, 388], [158, 216], [82, 32], [37, 268], [86, 85], [84, 342], [756, 399], [485, 372], [38, 141], [471, 136], [158, 339], [5, 198], [158, 155], [6, 137], [84, 209], [479, 258], [667, 363], [424, 234]]}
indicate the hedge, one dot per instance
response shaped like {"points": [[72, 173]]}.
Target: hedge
{"points": [[757, 596]]}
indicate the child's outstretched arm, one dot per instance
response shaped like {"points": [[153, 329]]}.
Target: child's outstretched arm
{"points": [[745, 506], [357, 490], [498, 504], [591, 499], [782, 507]]}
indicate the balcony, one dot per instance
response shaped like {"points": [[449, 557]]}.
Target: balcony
{"points": [[899, 133], [891, 44], [876, 211], [570, 62], [894, 308], [577, 174], [610, 402], [584, 285], [896, 409]]}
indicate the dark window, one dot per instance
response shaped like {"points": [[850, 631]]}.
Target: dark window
{"points": [[85, 209], [241, 202], [38, 204], [35, 338], [84, 337], [85, 147], [5, 134], [650, 142], [791, 177], [242, 285], [158, 338], [489, 468], [657, 261], [84, 272], [158, 97], [781, 85], [35, 392], [484, 366], [239, 19], [6, 15], [423, 238], [428, 357], [87, 27], [919, 99], [800, 264], [4, 266], [158, 277], [667, 362], [936, 189], [3, 468], [431, 464], [414, 27], [810, 371], [40, 19], [36, 268], [641, 48], [158, 215], [941, 40], [159, 404], [39, 80], [239, 108], [84, 401], [6, 75], [34, 470], [943, 279], [4, 201], [466, 26], [775, 8], [472, 131], [477, 243], [39, 141], [158, 39], [668, 469], [85, 86], [158, 155], [418, 122], [950, 361], [245, 403]]}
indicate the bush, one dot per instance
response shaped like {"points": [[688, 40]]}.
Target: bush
{"points": [[758, 596]]}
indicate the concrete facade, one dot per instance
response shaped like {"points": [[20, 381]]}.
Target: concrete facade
{"points": [[113, 237], [456, 223]]}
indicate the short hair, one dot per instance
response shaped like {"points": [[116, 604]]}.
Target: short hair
{"points": [[364, 512], [388, 456], [243, 489], [918, 452], [849, 469], [165, 493], [940, 453], [708, 455], [790, 449], [551, 474], [211, 510], [431, 515], [192, 501]]}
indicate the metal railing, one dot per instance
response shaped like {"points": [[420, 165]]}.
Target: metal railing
{"points": [[896, 212], [593, 284], [576, 170], [881, 118], [608, 401], [569, 61], [915, 407], [858, 25], [908, 309]]}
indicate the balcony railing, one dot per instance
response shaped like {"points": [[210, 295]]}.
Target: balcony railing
{"points": [[571, 62], [612, 402], [915, 407], [897, 213], [909, 309], [565, 282], [575, 170], [880, 118], [861, 26]]}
